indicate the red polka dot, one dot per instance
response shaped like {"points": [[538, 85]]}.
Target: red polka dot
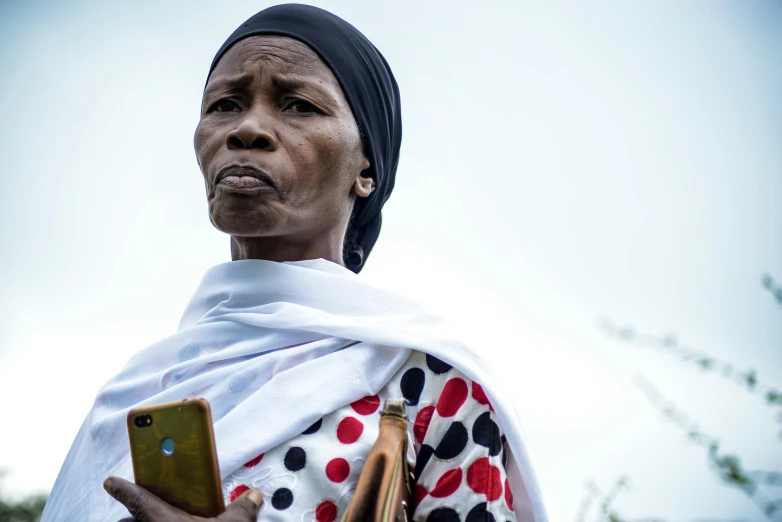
{"points": [[349, 430], [484, 478], [478, 475], [337, 470], [447, 484], [418, 495], [366, 406], [508, 496], [237, 492], [495, 485], [254, 462], [422, 421], [478, 394], [326, 511], [453, 396]]}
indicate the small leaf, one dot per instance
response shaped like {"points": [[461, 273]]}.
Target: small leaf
{"points": [[751, 379]]}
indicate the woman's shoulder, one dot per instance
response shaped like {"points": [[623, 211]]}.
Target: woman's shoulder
{"points": [[424, 380], [460, 453]]}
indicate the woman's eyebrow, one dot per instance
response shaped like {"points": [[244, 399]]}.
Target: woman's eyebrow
{"points": [[235, 82], [294, 82]]}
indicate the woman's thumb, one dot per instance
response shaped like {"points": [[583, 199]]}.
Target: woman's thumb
{"points": [[244, 508]]}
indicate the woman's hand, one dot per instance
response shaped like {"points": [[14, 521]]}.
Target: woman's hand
{"points": [[146, 507]]}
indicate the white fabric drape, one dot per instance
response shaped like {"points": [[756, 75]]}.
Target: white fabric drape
{"points": [[273, 347]]}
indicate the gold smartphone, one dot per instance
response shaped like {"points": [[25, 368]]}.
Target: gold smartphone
{"points": [[174, 456]]}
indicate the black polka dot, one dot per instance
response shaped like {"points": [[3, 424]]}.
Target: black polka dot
{"points": [[437, 366], [504, 452], [424, 454], [443, 514], [295, 459], [312, 429], [412, 385], [480, 514], [282, 499], [486, 433], [453, 442]]}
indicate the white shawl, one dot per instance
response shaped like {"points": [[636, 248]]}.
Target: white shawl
{"points": [[257, 338]]}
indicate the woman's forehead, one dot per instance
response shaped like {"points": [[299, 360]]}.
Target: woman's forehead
{"points": [[271, 52]]}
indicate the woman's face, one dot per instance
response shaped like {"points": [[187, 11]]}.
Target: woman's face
{"points": [[278, 145]]}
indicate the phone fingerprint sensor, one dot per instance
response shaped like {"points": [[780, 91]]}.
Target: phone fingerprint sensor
{"points": [[167, 445]]}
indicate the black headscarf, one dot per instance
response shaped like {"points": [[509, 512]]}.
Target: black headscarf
{"points": [[370, 89]]}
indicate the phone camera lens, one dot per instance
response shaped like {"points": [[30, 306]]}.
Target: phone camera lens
{"points": [[142, 421]]}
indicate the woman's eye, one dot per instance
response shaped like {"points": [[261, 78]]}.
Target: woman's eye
{"points": [[225, 106], [301, 106]]}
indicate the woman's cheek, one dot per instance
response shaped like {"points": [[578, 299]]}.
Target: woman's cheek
{"points": [[207, 141]]}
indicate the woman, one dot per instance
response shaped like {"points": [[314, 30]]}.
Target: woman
{"points": [[298, 143]]}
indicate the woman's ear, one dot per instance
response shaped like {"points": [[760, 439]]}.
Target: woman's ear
{"points": [[363, 186]]}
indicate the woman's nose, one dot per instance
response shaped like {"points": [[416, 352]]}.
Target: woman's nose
{"points": [[251, 133]]}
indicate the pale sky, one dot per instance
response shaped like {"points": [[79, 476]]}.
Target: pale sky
{"points": [[560, 163]]}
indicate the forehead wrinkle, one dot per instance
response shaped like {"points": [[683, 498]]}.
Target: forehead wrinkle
{"points": [[289, 62], [264, 54], [280, 49], [228, 82]]}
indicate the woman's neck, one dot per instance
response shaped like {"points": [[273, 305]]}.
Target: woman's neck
{"points": [[287, 249]]}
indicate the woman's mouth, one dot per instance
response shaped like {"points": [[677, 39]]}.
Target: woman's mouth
{"points": [[242, 182], [243, 178]]}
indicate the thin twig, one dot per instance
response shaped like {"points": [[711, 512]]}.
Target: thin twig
{"points": [[669, 344], [728, 467], [587, 500], [606, 513]]}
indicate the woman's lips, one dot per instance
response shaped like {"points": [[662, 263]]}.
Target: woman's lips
{"points": [[242, 182], [242, 178]]}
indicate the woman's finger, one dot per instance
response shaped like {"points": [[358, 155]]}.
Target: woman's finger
{"points": [[243, 509], [142, 504]]}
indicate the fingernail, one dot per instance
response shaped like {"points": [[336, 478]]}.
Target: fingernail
{"points": [[107, 486], [255, 497]]}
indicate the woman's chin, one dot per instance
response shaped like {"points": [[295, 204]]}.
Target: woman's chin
{"points": [[243, 223]]}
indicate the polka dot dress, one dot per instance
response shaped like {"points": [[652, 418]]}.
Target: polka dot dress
{"points": [[456, 451]]}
